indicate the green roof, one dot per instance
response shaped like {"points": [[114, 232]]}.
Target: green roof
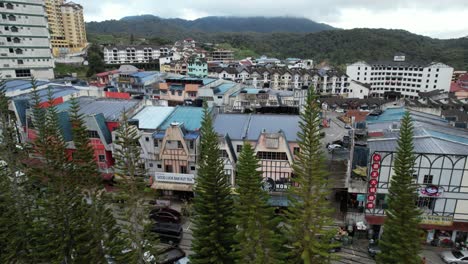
{"points": [[190, 117]]}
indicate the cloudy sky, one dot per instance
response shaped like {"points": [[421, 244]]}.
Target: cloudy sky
{"points": [[435, 18]]}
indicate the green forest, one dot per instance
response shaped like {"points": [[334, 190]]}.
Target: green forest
{"points": [[335, 46]]}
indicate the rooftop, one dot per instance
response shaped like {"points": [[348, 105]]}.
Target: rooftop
{"points": [[190, 117], [151, 117], [15, 85], [223, 88], [249, 127], [111, 109]]}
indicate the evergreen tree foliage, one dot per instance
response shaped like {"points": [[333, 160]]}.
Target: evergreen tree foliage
{"points": [[401, 238], [213, 205], [130, 173], [256, 239], [310, 211]]}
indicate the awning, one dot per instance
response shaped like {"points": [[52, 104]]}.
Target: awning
{"points": [[460, 226], [172, 186]]}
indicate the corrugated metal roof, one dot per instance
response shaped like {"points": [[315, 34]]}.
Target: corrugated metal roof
{"points": [[151, 117], [190, 117], [223, 88], [249, 127], [421, 145], [112, 109], [14, 85]]}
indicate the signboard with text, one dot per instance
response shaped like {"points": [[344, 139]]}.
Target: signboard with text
{"points": [[174, 177], [436, 220]]}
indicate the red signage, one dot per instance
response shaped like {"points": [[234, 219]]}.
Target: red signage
{"points": [[372, 190], [373, 182], [370, 205], [375, 166], [374, 174], [371, 198], [376, 157]]}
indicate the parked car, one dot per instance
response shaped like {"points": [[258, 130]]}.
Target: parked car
{"points": [[454, 256], [333, 147], [171, 255], [373, 249], [347, 126], [165, 215], [170, 233]]}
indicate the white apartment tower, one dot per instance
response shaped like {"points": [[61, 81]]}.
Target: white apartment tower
{"points": [[25, 49], [400, 77]]}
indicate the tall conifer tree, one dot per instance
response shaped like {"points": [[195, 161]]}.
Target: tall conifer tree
{"points": [[310, 211], [213, 230], [257, 241], [401, 238]]}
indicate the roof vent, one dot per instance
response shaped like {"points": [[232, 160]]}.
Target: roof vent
{"points": [[395, 127], [174, 124]]}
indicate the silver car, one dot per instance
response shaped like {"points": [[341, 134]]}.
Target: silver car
{"points": [[454, 256]]}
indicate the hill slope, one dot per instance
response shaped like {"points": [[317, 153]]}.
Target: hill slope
{"points": [[337, 46]]}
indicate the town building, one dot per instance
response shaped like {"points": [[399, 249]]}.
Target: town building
{"points": [[25, 41], [134, 54], [66, 22], [401, 78], [440, 171], [197, 67], [222, 55], [170, 146], [274, 139]]}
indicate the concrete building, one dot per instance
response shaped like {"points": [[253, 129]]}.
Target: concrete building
{"points": [[197, 67], [25, 41], [134, 54], [401, 78], [66, 22], [223, 55]]}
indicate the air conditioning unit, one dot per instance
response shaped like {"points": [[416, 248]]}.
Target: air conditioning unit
{"points": [[6, 65], [2, 43], [8, 75], [4, 54]]}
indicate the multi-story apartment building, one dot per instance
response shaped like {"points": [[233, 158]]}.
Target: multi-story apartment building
{"points": [[134, 54], [401, 77], [67, 26], [25, 40], [197, 67], [223, 55]]}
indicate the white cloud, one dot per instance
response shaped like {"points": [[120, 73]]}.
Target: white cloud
{"points": [[434, 18]]}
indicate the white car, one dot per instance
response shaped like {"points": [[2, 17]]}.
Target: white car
{"points": [[455, 256], [334, 146], [339, 110]]}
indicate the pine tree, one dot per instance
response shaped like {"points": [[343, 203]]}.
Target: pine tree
{"points": [[101, 234], [401, 238], [310, 211], [130, 174], [213, 205], [256, 239]]}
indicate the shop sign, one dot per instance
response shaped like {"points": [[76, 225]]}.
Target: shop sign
{"points": [[373, 182], [431, 190], [174, 177], [374, 174], [436, 220], [269, 185]]}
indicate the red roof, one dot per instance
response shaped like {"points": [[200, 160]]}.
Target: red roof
{"points": [[455, 87], [463, 77], [102, 74]]}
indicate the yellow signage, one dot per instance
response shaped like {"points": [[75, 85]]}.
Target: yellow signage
{"points": [[436, 220]]}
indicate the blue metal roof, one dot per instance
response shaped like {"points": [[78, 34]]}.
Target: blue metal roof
{"points": [[14, 85], [190, 117], [223, 88], [143, 74], [191, 135], [241, 126], [159, 135], [151, 117], [57, 91], [389, 115], [207, 81], [112, 109], [449, 137]]}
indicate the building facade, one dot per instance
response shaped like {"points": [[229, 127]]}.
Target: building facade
{"points": [[401, 78], [223, 55], [133, 54], [197, 67], [25, 41], [67, 26]]}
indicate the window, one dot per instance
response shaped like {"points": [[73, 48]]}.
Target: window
{"points": [[191, 144], [151, 165], [223, 153], [16, 40], [11, 18], [2, 5], [11, 50], [93, 134], [8, 39], [168, 168], [7, 28], [159, 166], [272, 155], [183, 169], [14, 29], [239, 148], [179, 144], [102, 158], [23, 73], [428, 179], [192, 168], [20, 62], [156, 143], [9, 6], [296, 150], [4, 16], [426, 203], [19, 51], [147, 139]]}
